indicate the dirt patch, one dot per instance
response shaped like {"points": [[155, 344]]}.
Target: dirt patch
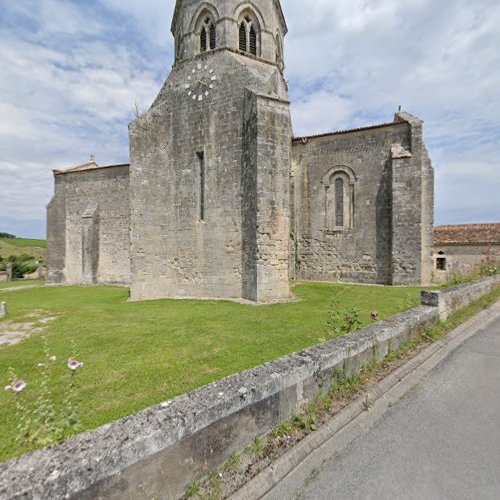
{"points": [[12, 332]]}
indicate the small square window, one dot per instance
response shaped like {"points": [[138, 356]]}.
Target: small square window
{"points": [[441, 264]]}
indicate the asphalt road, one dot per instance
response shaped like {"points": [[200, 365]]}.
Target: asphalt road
{"points": [[441, 441]]}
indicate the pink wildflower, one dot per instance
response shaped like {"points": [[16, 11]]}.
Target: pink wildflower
{"points": [[374, 315], [73, 364], [19, 386]]}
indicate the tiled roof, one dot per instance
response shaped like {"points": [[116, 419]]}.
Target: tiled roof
{"points": [[467, 234], [86, 167]]}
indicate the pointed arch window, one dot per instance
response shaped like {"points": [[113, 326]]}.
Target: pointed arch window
{"points": [[248, 33], [208, 35]]}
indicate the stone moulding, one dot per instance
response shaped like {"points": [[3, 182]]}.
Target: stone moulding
{"points": [[157, 452]]}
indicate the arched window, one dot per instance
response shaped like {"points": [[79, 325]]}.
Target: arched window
{"points": [[339, 202], [339, 194], [249, 35], [208, 35]]}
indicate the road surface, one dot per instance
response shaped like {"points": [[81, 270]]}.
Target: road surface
{"points": [[441, 441]]}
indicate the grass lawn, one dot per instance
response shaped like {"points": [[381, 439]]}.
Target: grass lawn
{"points": [[14, 284], [139, 354]]}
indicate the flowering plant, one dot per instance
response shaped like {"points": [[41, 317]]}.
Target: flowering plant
{"points": [[340, 320], [45, 423]]}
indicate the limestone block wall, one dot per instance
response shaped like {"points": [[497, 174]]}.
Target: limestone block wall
{"points": [[186, 229], [56, 233], [266, 171], [452, 299], [88, 227], [460, 259], [388, 205], [412, 207], [269, 19], [361, 253]]}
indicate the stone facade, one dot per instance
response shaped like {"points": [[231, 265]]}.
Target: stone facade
{"points": [[88, 224], [219, 200], [458, 249], [386, 234]]}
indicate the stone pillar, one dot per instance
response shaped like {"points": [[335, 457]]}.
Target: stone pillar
{"points": [[266, 198], [3, 309], [56, 232], [9, 271], [90, 245], [406, 219], [412, 207]]}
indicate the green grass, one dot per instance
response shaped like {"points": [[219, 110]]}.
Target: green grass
{"points": [[11, 246], [139, 354], [15, 284]]}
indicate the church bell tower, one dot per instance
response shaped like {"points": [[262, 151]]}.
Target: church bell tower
{"points": [[210, 160]]}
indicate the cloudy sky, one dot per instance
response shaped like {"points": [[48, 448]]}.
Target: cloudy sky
{"points": [[72, 72]]}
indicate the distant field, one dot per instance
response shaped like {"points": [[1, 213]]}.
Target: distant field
{"points": [[10, 246], [24, 242]]}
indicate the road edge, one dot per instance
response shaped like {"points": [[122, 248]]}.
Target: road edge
{"points": [[287, 474]]}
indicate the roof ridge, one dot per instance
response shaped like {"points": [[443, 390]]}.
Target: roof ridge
{"points": [[339, 132]]}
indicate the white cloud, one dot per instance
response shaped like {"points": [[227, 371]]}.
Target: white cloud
{"points": [[72, 71], [320, 112]]}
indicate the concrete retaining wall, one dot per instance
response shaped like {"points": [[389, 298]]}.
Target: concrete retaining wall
{"points": [[159, 451]]}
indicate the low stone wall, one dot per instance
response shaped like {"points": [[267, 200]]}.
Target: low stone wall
{"points": [[159, 451], [451, 299]]}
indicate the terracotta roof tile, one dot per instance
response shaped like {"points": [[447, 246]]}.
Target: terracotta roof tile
{"points": [[467, 234]]}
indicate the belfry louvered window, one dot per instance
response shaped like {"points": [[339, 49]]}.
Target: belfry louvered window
{"points": [[243, 37], [248, 35], [208, 35], [213, 37], [253, 41], [203, 40]]}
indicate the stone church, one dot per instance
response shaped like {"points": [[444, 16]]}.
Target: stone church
{"points": [[220, 200]]}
